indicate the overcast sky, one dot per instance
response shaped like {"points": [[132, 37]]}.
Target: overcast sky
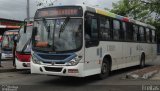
{"points": [[16, 9]]}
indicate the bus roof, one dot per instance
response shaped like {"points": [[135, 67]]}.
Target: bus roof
{"points": [[119, 17], [11, 32], [109, 14], [30, 24]]}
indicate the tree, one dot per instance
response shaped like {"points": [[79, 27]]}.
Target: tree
{"points": [[131, 8], [154, 6], [46, 2], [143, 10]]}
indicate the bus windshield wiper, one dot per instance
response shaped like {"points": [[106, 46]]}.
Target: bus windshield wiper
{"points": [[44, 22], [46, 27], [63, 26], [25, 46], [54, 28]]}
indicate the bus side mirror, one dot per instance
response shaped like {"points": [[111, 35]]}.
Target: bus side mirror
{"points": [[34, 31], [16, 38], [25, 28], [48, 28]]}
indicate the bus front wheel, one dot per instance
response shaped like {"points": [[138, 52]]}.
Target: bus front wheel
{"points": [[105, 69], [1, 56]]}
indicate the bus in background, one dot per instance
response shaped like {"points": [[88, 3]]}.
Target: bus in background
{"points": [[7, 44], [0, 38], [0, 43], [80, 41], [23, 49]]}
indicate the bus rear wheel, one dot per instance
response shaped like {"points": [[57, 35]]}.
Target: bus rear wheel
{"points": [[105, 70], [142, 61], [0, 60]]}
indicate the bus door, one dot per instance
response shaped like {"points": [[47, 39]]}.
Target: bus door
{"points": [[92, 50]]}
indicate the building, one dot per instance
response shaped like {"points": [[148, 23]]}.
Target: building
{"points": [[8, 24]]}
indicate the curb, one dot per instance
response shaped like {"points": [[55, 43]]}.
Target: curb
{"points": [[148, 75], [7, 70]]}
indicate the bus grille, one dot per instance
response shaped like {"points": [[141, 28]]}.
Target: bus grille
{"points": [[53, 69], [54, 57], [55, 62]]}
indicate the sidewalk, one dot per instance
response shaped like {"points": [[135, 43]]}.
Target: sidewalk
{"points": [[156, 62], [144, 73], [147, 72], [156, 77], [7, 66]]}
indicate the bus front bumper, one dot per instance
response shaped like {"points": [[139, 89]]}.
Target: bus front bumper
{"points": [[22, 65], [6, 56], [74, 71]]}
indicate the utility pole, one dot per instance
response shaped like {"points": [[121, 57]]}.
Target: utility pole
{"points": [[84, 2], [28, 10]]}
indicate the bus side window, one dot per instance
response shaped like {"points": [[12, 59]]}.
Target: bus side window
{"points": [[129, 32], [116, 30], [124, 28], [91, 31], [135, 30], [147, 35], [153, 36], [136, 33], [150, 36], [124, 31], [142, 34], [94, 29], [104, 28]]}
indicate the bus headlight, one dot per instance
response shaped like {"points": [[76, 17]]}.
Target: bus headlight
{"points": [[74, 61], [35, 60]]}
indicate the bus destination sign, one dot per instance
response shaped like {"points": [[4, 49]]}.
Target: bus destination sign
{"points": [[59, 12]]}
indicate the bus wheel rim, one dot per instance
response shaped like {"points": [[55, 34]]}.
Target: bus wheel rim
{"points": [[104, 68]]}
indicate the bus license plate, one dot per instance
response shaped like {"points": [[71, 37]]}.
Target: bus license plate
{"points": [[9, 55]]}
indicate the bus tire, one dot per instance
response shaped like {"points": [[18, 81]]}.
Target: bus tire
{"points": [[105, 69], [0, 61], [1, 57], [142, 61]]}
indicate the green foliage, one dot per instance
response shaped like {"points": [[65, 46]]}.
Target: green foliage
{"points": [[131, 8], [45, 2]]}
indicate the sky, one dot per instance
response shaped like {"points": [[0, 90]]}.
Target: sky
{"points": [[16, 9]]}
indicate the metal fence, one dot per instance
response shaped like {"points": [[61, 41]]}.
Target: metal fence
{"points": [[158, 49]]}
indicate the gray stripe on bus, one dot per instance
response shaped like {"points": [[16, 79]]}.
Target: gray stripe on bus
{"points": [[90, 9]]}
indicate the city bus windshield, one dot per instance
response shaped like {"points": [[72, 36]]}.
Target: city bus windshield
{"points": [[8, 40], [58, 35], [23, 44]]}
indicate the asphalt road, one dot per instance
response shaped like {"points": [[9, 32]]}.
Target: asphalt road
{"points": [[115, 82]]}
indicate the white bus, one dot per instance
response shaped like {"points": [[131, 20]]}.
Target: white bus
{"points": [[7, 44], [81, 41], [23, 48]]}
